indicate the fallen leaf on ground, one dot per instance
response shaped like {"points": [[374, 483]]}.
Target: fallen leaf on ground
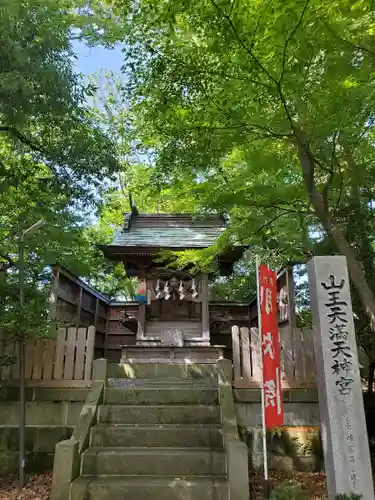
{"points": [[38, 487]]}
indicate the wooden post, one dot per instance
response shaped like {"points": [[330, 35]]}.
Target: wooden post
{"points": [[236, 353], [245, 353], [291, 301], [58, 368], [106, 330], [96, 312], [90, 346], [250, 341], [205, 310], [54, 296], [291, 315], [79, 305]]}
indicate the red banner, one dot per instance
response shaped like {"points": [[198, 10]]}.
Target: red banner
{"points": [[273, 400]]}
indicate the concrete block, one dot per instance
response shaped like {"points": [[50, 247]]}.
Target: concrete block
{"points": [[100, 370], [43, 413], [37, 438], [247, 395], [40, 394], [72, 413], [225, 372], [65, 469], [296, 395], [300, 414], [300, 395], [153, 461], [8, 393], [35, 462], [237, 470], [45, 438], [88, 415], [60, 394], [144, 488], [189, 414]]}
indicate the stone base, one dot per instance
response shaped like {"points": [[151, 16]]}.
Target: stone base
{"points": [[171, 354]]}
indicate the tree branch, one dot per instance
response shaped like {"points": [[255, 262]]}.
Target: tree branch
{"points": [[268, 223], [8, 259], [248, 50], [12, 131], [325, 190], [249, 127], [347, 42], [291, 35], [232, 7], [17, 134]]}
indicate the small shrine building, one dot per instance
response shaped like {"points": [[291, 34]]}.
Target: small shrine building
{"points": [[173, 317]]}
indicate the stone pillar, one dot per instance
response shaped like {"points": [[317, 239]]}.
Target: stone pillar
{"points": [[343, 424]]}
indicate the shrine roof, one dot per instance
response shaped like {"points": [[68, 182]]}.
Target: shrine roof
{"points": [[168, 231]]}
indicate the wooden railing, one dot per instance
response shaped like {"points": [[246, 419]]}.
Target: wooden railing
{"points": [[62, 362], [296, 350]]}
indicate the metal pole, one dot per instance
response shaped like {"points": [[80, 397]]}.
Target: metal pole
{"points": [[264, 431], [21, 264], [21, 463]]}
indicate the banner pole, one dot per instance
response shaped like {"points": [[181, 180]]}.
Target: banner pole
{"points": [[264, 431]]}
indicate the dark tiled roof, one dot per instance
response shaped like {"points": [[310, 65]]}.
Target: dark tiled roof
{"points": [[168, 231]]}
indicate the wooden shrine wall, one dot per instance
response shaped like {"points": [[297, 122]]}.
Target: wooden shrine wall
{"points": [[65, 361], [232, 325], [79, 305], [296, 355]]}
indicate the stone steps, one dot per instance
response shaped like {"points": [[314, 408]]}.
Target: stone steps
{"points": [[159, 414], [149, 488], [160, 461], [161, 396], [158, 437], [104, 435]]}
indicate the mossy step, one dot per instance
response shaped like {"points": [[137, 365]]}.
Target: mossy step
{"points": [[165, 435], [149, 488], [172, 414], [161, 396], [153, 461]]}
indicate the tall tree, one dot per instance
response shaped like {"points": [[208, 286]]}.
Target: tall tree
{"points": [[272, 101], [54, 158]]}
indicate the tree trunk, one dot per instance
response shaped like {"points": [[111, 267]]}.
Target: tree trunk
{"points": [[321, 210]]}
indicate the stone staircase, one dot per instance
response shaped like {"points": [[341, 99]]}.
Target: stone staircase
{"points": [[156, 439]]}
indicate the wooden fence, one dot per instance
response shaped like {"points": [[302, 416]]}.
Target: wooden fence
{"points": [[297, 357], [62, 362]]}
